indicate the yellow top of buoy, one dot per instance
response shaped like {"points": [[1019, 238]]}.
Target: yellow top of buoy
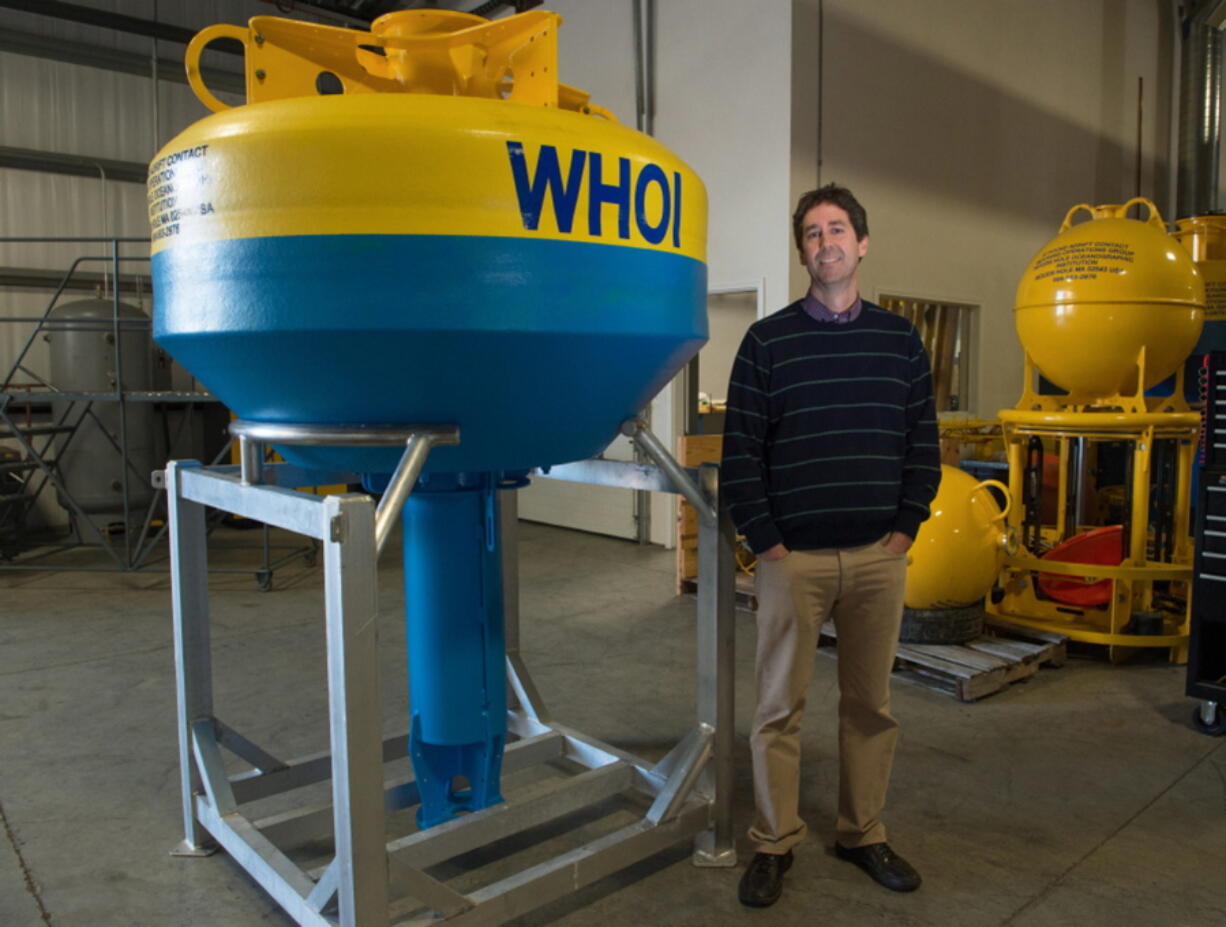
{"points": [[410, 51]]}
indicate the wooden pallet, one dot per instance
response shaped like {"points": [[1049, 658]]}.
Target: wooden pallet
{"points": [[1005, 653]]}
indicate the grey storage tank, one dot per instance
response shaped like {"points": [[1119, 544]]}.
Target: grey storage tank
{"points": [[82, 336]]}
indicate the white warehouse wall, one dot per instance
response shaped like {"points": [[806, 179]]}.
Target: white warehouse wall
{"points": [[968, 129], [724, 105]]}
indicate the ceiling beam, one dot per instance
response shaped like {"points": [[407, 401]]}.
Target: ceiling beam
{"points": [[91, 16], [113, 59], [54, 162], [40, 278]]}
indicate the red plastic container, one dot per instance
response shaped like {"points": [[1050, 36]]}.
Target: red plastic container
{"points": [[1102, 546]]}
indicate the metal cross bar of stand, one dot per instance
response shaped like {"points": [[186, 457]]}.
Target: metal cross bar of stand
{"points": [[684, 796]]}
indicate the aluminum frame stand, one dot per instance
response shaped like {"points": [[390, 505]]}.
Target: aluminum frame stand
{"points": [[684, 796]]}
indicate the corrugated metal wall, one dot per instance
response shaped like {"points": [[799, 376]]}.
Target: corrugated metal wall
{"points": [[54, 106], [65, 107]]}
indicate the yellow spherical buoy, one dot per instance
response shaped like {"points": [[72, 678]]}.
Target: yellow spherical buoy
{"points": [[1107, 298], [960, 548]]}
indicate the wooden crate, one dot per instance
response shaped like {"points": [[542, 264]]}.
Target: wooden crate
{"points": [[1005, 653], [692, 450]]}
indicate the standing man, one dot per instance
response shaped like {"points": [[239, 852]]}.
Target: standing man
{"points": [[830, 460]]}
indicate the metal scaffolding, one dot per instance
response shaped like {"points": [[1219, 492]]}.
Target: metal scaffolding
{"points": [[42, 438]]}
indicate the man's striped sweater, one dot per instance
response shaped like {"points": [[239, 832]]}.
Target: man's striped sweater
{"points": [[831, 436]]}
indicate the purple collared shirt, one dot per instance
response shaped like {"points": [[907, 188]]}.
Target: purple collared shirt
{"points": [[822, 313]]}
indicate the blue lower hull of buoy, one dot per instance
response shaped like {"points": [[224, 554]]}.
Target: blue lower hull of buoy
{"points": [[538, 356]]}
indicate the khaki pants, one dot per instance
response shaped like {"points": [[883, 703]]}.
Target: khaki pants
{"points": [[861, 589]]}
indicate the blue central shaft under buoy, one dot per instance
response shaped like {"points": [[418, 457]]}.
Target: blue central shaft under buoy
{"points": [[456, 644]]}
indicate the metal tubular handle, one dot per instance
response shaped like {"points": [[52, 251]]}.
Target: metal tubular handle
{"points": [[251, 460], [418, 441], [646, 439], [341, 435], [416, 450]]}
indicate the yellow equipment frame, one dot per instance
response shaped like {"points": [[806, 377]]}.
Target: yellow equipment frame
{"points": [[1133, 580]]}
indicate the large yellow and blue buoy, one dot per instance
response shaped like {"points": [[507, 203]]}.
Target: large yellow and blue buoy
{"points": [[419, 225], [453, 238]]}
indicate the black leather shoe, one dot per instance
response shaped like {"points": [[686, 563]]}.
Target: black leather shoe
{"points": [[762, 883], [883, 864]]}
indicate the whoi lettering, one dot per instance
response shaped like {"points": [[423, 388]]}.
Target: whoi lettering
{"points": [[589, 178]]}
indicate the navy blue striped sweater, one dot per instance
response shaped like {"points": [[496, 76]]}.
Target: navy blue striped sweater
{"points": [[831, 434]]}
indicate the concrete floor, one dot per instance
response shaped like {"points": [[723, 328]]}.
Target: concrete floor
{"points": [[1080, 797]]}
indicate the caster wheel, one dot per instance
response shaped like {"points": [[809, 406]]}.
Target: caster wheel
{"points": [[264, 578], [1216, 728]]}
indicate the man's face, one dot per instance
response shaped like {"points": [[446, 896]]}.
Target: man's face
{"points": [[829, 249]]}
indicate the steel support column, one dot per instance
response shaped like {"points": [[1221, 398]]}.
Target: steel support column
{"points": [[716, 666], [193, 652], [354, 709]]}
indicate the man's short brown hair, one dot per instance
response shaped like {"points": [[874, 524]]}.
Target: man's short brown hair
{"points": [[839, 196]]}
